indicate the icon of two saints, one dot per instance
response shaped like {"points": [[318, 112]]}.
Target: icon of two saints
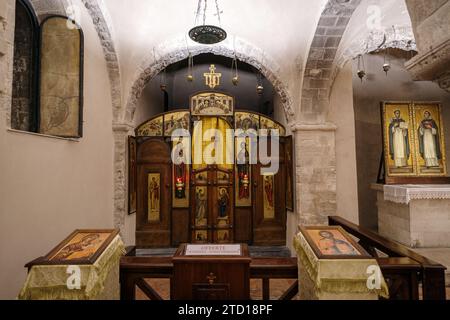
{"points": [[428, 136]]}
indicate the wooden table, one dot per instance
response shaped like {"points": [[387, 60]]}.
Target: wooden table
{"points": [[211, 277]]}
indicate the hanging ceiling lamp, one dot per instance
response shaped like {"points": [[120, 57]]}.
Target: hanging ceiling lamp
{"points": [[207, 33], [234, 70], [387, 62], [190, 76], [162, 80], [259, 86], [361, 67]]}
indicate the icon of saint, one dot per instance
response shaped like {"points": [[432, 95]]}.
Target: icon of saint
{"points": [[399, 149], [429, 145]]}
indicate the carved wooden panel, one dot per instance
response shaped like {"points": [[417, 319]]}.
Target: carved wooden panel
{"points": [[153, 217], [269, 226], [212, 209]]}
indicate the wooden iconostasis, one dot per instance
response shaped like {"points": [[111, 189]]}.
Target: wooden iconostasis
{"points": [[209, 200]]}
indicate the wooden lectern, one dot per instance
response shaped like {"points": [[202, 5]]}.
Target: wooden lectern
{"points": [[211, 272]]}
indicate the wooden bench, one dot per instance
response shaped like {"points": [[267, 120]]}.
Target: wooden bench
{"points": [[133, 271], [405, 271]]}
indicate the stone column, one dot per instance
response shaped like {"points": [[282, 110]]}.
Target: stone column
{"points": [[121, 132], [315, 152]]}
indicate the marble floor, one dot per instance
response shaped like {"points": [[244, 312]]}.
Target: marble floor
{"points": [[277, 288]]}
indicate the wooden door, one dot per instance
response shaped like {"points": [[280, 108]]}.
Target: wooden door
{"points": [[153, 194], [269, 209], [212, 213]]}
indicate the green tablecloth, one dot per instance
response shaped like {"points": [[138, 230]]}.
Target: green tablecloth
{"points": [[99, 281], [332, 278]]}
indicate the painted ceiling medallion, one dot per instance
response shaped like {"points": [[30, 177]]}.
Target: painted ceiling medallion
{"points": [[207, 33]]}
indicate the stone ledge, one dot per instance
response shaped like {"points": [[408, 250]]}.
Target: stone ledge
{"points": [[43, 135], [431, 64]]}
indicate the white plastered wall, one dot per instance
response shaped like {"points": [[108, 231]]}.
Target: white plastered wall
{"points": [[48, 186]]}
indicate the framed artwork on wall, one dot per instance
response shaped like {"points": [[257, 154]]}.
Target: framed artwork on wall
{"points": [[429, 139], [413, 143], [333, 242], [398, 139], [61, 78], [132, 175]]}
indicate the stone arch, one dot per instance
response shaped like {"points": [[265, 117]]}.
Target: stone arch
{"points": [[176, 50], [317, 78]]}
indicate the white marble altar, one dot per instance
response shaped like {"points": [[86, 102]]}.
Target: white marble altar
{"points": [[415, 215]]}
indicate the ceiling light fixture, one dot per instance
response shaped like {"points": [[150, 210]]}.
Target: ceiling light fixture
{"points": [[207, 33]]}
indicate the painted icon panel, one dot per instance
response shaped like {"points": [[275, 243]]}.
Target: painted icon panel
{"points": [[82, 246], [246, 121], [176, 120], [223, 206], [154, 197], [269, 198], [333, 242], [269, 124], [201, 206], [223, 236], [430, 142], [151, 128], [398, 139], [180, 174], [201, 236], [243, 172], [212, 104]]}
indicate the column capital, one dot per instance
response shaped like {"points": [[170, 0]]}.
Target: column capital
{"points": [[327, 126], [122, 127]]}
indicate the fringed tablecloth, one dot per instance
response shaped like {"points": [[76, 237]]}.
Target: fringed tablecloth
{"points": [[334, 279], [99, 281]]}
